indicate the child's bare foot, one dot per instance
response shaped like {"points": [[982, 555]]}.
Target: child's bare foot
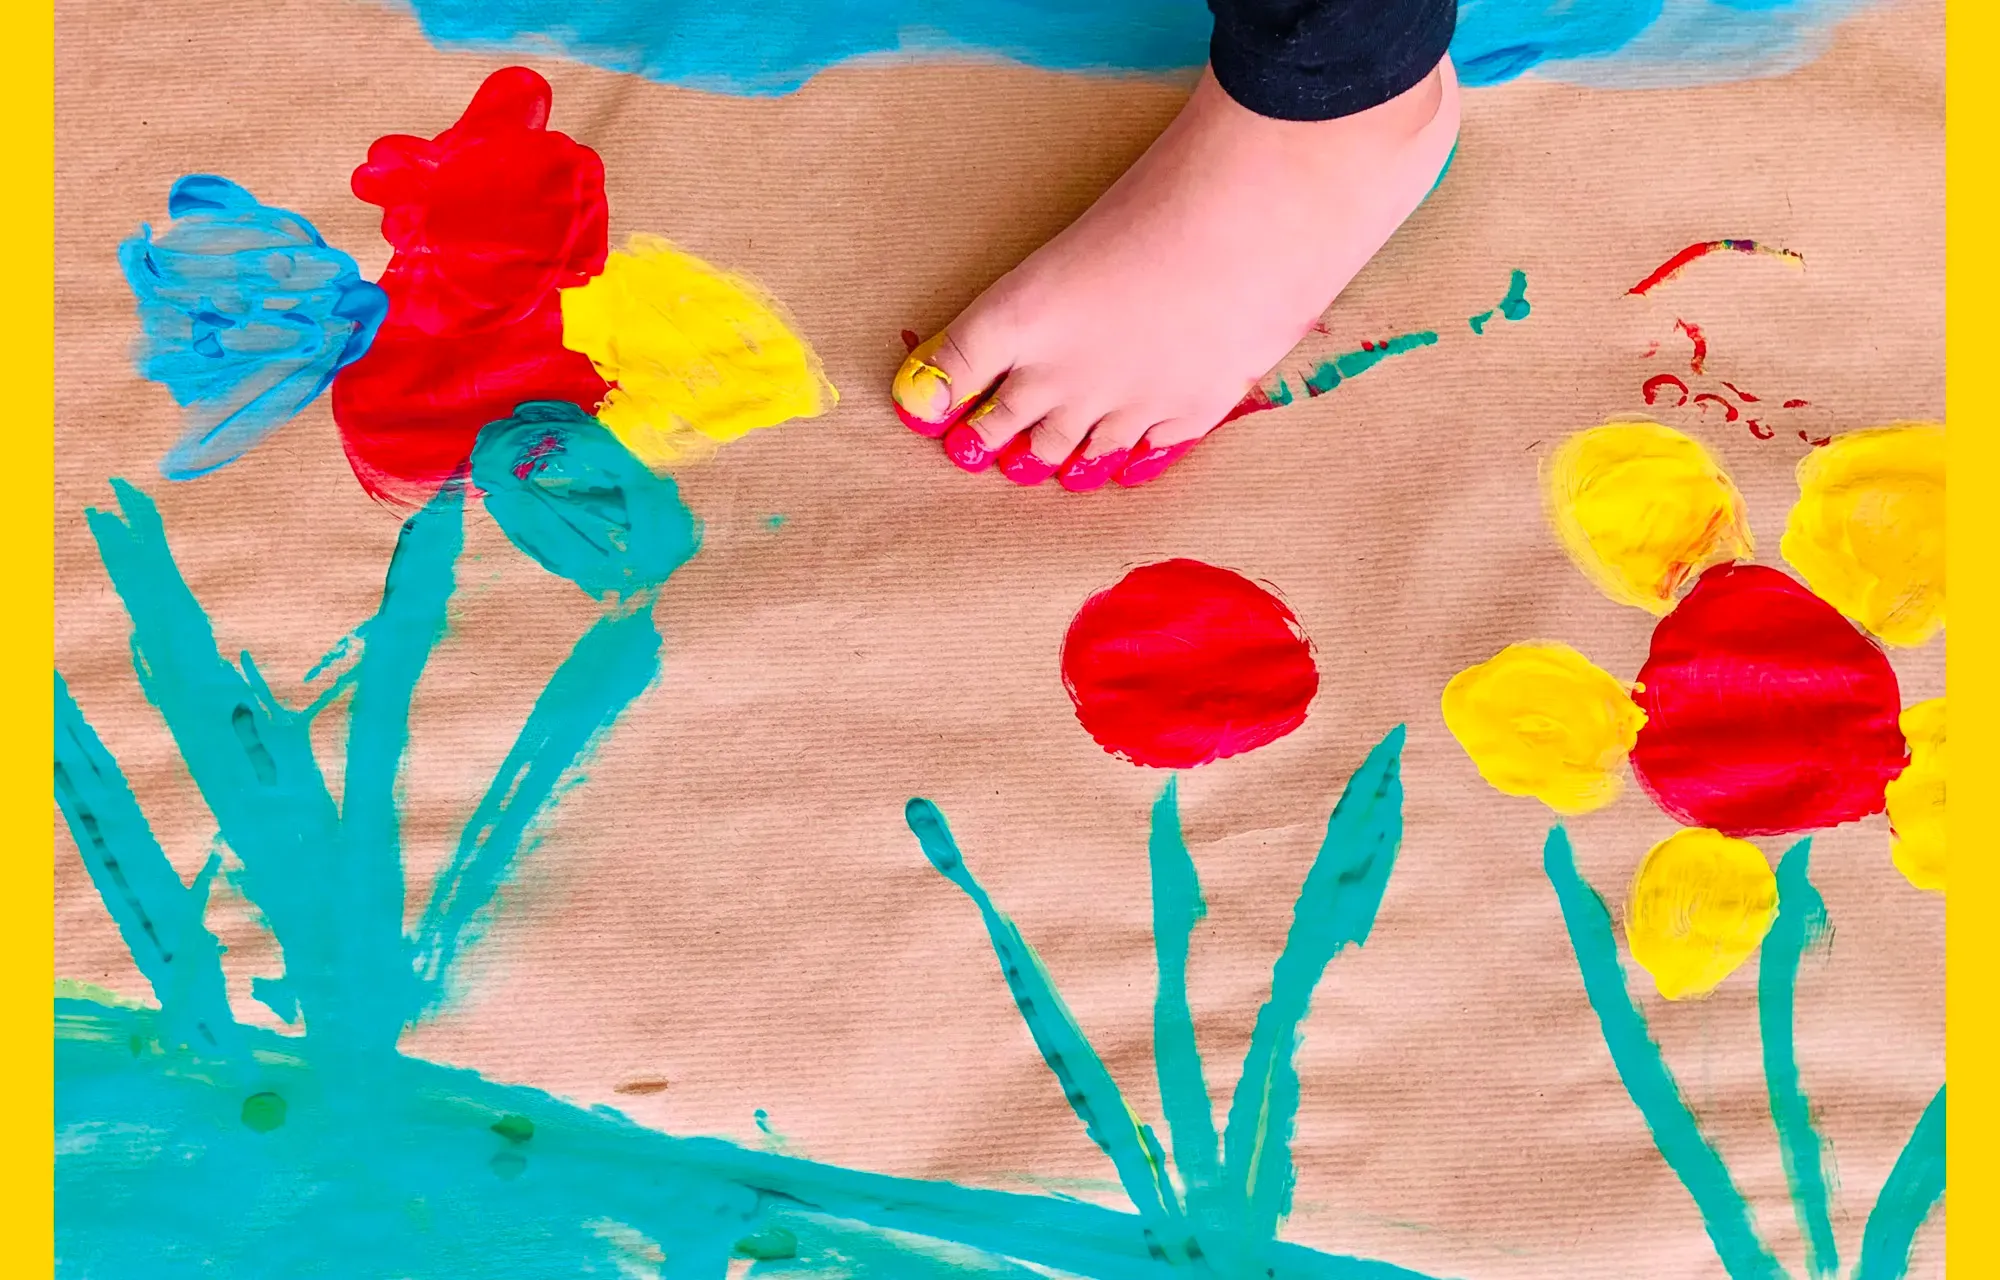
{"points": [[1140, 326]]}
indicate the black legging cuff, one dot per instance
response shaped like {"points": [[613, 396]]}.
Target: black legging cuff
{"points": [[1318, 59]]}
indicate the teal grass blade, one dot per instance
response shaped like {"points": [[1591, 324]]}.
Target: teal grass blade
{"points": [[1645, 1074], [1801, 922], [1915, 1185], [1177, 908]]}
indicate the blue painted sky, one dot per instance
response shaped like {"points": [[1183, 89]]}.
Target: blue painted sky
{"points": [[775, 46]]}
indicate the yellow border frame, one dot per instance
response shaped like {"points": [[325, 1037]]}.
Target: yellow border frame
{"points": [[1972, 1240], [27, 230], [27, 643]]}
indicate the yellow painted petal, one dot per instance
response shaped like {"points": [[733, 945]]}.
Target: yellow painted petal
{"points": [[1916, 799], [1867, 534], [1701, 903], [1642, 509], [1539, 720], [697, 357]]}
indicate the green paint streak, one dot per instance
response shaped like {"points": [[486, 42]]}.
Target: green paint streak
{"points": [[1336, 909], [1281, 395], [1915, 1184], [1801, 922], [515, 1129], [263, 1112], [1177, 908], [1478, 322], [1645, 1074], [1086, 1083], [768, 1245]]}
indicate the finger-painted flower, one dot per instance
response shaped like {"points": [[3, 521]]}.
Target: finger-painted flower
{"points": [[1766, 711], [1181, 663], [1867, 533], [1642, 509], [1540, 720], [1700, 905], [697, 357], [1916, 798], [247, 314], [568, 494]]}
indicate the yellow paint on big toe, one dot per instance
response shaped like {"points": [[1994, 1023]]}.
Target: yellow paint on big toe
{"points": [[1540, 720], [1867, 533], [697, 357], [923, 389], [1642, 509], [1916, 798], [1701, 903]]}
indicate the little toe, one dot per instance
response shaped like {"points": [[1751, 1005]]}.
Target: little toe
{"points": [[1160, 448], [1104, 451]]}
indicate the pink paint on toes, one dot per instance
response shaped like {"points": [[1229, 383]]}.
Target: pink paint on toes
{"points": [[921, 427], [1081, 474], [1147, 464], [966, 450], [1020, 463]]}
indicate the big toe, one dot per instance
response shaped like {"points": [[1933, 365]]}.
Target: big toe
{"points": [[943, 377]]}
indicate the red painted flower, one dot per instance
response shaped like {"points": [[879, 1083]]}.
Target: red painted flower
{"points": [[488, 220], [1766, 711], [1182, 663]]}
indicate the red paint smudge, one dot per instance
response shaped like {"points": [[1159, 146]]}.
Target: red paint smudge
{"points": [[1738, 392], [1767, 712], [1149, 462], [1706, 398], [1650, 351], [1759, 430], [910, 340], [1019, 463], [1256, 401], [1081, 474], [487, 221], [966, 450], [1653, 386], [1675, 265], [1700, 353], [1182, 663], [1796, 404]]}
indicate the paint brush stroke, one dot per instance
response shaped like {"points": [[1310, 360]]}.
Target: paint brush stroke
{"points": [[246, 314], [1679, 262], [1086, 1083], [1915, 1185], [1645, 1074], [610, 666], [160, 919], [1177, 908], [1800, 924], [1613, 43], [1336, 909]]}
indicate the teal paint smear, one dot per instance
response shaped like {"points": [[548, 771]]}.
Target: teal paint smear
{"points": [[1350, 364], [1086, 1084], [1515, 305], [1800, 923], [1612, 43], [396, 644], [1478, 322], [1177, 908], [246, 313], [1645, 1074], [252, 760], [774, 523], [1336, 909], [574, 499], [160, 919], [610, 666], [1915, 1184]]}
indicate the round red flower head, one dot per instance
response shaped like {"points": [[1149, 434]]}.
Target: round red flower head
{"points": [[1181, 663]]}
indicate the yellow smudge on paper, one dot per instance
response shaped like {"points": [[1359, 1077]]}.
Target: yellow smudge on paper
{"points": [[1540, 720], [1916, 798], [697, 357], [1701, 903], [1867, 533], [1642, 509]]}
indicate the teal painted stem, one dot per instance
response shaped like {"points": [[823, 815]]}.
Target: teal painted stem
{"points": [[1086, 1082], [610, 665], [252, 759], [1801, 922], [1915, 1185], [1646, 1076], [1177, 907], [396, 645], [160, 919], [1336, 909]]}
